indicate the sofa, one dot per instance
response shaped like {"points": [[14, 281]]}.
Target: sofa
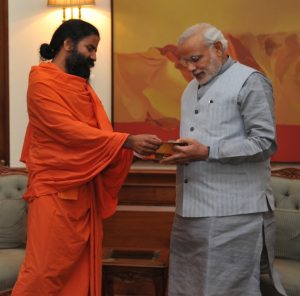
{"points": [[286, 188], [13, 218]]}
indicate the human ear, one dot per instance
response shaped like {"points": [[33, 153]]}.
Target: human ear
{"points": [[219, 48], [68, 44]]}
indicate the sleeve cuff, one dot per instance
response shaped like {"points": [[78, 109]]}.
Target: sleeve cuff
{"points": [[213, 152]]}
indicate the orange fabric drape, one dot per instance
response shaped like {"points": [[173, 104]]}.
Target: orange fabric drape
{"points": [[63, 247], [69, 139], [72, 156]]}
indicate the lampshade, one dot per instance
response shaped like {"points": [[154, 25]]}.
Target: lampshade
{"points": [[69, 3]]}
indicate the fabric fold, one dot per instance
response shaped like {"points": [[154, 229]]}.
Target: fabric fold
{"points": [[67, 117]]}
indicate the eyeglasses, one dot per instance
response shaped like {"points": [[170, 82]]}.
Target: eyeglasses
{"points": [[191, 60]]}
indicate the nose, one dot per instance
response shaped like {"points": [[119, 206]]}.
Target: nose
{"points": [[94, 56], [190, 66]]}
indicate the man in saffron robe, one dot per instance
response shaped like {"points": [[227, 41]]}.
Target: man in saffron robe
{"points": [[76, 165]]}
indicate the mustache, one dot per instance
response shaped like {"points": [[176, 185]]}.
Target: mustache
{"points": [[79, 65], [91, 62]]}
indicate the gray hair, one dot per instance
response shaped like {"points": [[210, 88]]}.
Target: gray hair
{"points": [[210, 33]]}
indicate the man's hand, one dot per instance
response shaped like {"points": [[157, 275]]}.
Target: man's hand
{"points": [[143, 144], [191, 151]]}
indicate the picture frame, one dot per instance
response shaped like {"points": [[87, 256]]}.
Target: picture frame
{"points": [[148, 79]]}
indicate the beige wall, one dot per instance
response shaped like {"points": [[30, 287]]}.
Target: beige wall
{"points": [[31, 23]]}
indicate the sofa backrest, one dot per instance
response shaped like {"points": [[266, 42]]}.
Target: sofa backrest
{"points": [[286, 190], [13, 209]]}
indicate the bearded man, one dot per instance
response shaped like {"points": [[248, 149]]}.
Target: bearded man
{"points": [[224, 219], [76, 165]]}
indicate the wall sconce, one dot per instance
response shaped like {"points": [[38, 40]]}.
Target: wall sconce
{"points": [[70, 3]]}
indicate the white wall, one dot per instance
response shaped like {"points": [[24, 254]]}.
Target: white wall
{"points": [[31, 23]]}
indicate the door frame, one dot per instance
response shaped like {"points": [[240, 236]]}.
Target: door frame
{"points": [[4, 84]]}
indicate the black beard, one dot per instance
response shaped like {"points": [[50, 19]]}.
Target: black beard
{"points": [[79, 65]]}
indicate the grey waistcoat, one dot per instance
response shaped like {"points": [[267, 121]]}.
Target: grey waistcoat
{"points": [[210, 188]]}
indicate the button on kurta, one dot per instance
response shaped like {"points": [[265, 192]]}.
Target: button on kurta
{"points": [[192, 128], [186, 180], [196, 111]]}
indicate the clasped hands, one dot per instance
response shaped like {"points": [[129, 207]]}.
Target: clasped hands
{"points": [[145, 144]]}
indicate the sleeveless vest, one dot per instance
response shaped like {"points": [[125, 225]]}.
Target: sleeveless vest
{"points": [[212, 188]]}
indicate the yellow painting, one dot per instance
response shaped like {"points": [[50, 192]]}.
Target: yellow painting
{"points": [[148, 79]]}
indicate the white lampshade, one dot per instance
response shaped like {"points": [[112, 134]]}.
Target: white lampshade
{"points": [[69, 3]]}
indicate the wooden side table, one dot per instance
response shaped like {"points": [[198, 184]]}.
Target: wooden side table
{"points": [[133, 265]]}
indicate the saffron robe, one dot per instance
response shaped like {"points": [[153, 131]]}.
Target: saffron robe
{"points": [[76, 166]]}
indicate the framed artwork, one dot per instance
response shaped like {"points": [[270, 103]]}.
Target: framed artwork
{"points": [[148, 79]]}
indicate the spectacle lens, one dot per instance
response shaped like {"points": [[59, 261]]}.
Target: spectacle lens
{"points": [[191, 60]]}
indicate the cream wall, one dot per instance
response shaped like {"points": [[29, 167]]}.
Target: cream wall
{"points": [[31, 23]]}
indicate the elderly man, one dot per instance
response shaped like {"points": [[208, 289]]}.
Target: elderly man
{"points": [[224, 219], [76, 165]]}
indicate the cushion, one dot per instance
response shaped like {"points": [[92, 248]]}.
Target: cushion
{"points": [[287, 238], [290, 275], [13, 211], [286, 193], [10, 263], [289, 271]]}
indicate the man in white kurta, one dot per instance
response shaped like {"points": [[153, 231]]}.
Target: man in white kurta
{"points": [[224, 205]]}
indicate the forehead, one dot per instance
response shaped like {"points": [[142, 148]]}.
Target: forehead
{"points": [[91, 39], [193, 44]]}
